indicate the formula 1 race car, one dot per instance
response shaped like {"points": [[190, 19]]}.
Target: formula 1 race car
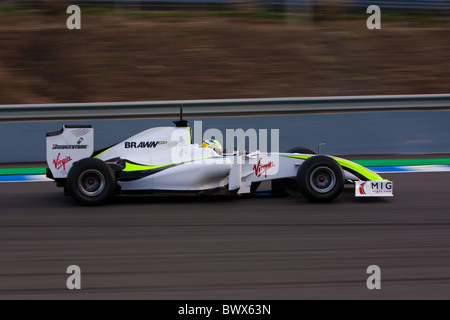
{"points": [[163, 160]]}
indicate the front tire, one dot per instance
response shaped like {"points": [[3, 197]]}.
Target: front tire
{"points": [[320, 179], [91, 181]]}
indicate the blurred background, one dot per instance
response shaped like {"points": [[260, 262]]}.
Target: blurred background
{"points": [[212, 49], [172, 248]]}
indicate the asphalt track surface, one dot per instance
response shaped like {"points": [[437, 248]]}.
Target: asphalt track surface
{"points": [[220, 248]]}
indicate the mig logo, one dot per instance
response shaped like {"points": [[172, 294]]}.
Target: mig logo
{"points": [[143, 144]]}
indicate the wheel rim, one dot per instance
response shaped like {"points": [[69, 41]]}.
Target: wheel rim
{"points": [[91, 183], [322, 179]]}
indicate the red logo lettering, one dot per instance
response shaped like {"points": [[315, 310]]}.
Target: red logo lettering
{"points": [[262, 169], [61, 163], [361, 188]]}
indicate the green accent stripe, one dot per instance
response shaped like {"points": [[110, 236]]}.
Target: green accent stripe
{"points": [[296, 157], [402, 162], [130, 167], [369, 175], [22, 171], [391, 162], [102, 153]]}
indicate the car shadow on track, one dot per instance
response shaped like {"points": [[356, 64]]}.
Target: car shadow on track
{"points": [[169, 199], [346, 197]]}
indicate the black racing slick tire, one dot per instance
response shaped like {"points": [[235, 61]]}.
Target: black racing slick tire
{"points": [[91, 181], [320, 179], [301, 150]]}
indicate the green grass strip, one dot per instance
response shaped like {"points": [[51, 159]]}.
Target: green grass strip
{"points": [[22, 171], [402, 162]]}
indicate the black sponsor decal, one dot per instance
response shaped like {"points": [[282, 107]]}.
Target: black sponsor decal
{"points": [[69, 146], [143, 144], [382, 185]]}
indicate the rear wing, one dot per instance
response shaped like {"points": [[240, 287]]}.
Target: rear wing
{"points": [[65, 147]]}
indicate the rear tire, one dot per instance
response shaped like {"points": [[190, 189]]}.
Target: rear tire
{"points": [[91, 181], [320, 179], [301, 150]]}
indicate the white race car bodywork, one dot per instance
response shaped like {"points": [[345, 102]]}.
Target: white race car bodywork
{"points": [[164, 159]]}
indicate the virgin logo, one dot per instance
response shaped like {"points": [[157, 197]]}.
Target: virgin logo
{"points": [[262, 169], [61, 163]]}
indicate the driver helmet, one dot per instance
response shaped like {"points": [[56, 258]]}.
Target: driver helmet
{"points": [[213, 144]]}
